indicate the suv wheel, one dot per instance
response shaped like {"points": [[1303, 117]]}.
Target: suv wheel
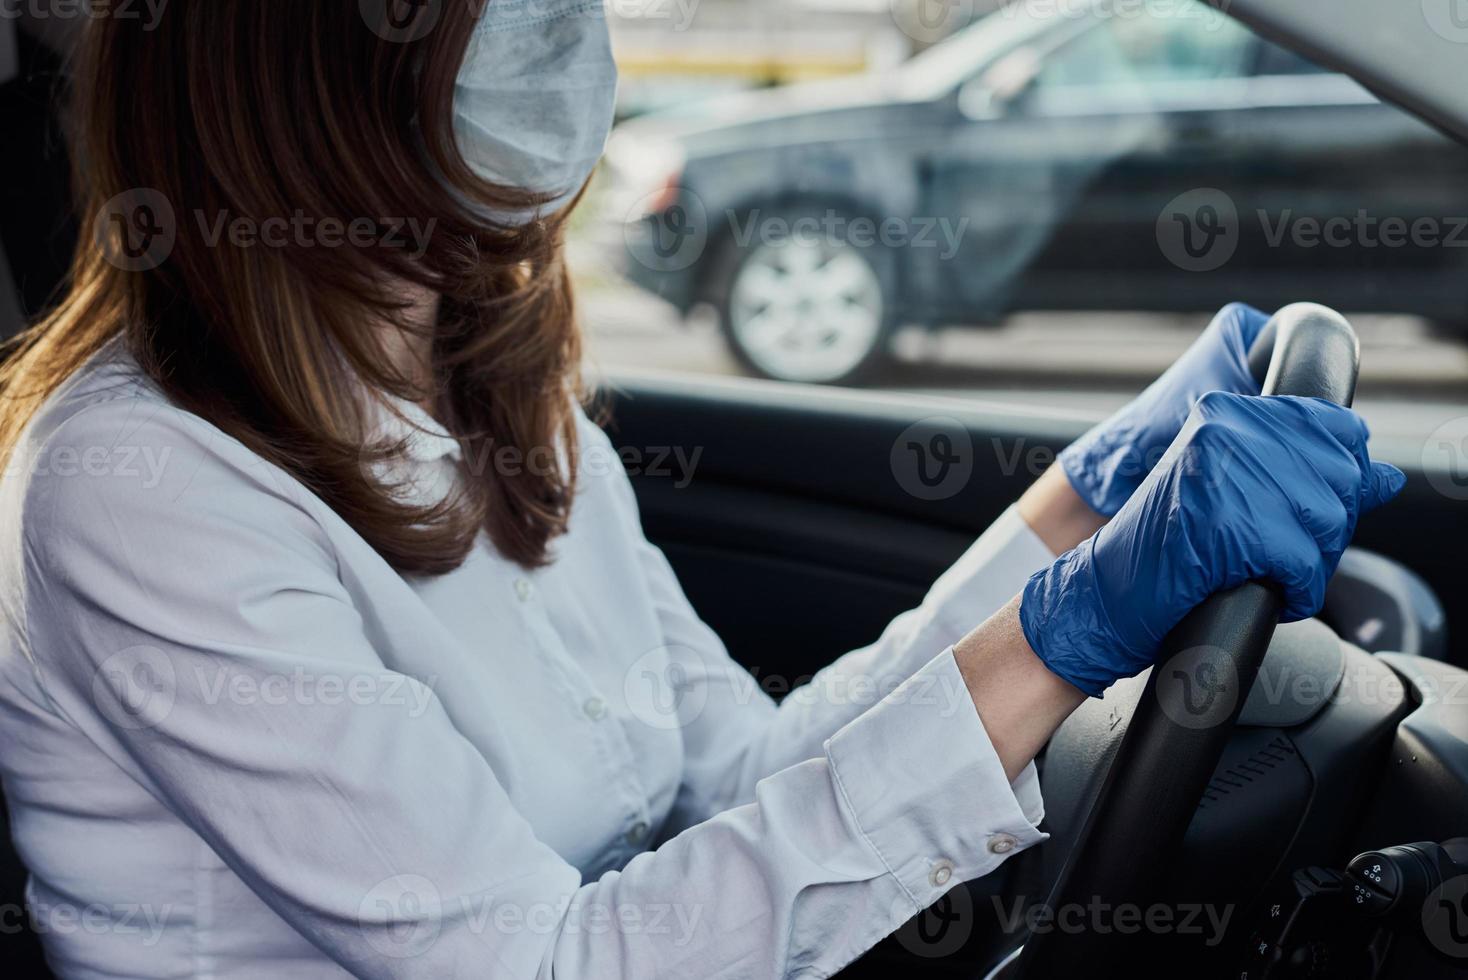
{"points": [[808, 309]]}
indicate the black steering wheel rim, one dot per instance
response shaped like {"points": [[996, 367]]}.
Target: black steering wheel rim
{"points": [[1174, 739]]}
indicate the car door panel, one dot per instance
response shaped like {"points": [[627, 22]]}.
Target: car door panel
{"points": [[798, 536], [795, 534]]}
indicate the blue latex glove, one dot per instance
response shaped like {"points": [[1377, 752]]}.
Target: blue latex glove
{"points": [[1108, 463], [1253, 488]]}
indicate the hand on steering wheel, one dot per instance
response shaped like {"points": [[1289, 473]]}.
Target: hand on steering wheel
{"points": [[1161, 767], [1108, 463], [1253, 488]]}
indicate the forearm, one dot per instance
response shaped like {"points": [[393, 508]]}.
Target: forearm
{"points": [[1020, 701], [1056, 513]]}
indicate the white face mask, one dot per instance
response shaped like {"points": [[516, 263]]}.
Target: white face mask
{"points": [[535, 99]]}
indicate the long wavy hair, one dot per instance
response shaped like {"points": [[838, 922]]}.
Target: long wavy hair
{"points": [[315, 116]]}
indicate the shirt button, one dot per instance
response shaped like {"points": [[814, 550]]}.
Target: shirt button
{"points": [[595, 708], [637, 833], [1002, 844], [941, 874], [522, 588]]}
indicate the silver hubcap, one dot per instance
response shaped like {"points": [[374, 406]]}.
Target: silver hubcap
{"points": [[806, 310]]}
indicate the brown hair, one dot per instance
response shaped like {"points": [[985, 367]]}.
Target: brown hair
{"points": [[268, 110]]}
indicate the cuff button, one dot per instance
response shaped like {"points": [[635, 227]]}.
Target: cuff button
{"points": [[1002, 844], [941, 874]]}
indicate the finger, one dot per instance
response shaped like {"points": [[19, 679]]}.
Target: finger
{"points": [[1238, 327], [1244, 321], [1365, 488], [1384, 482], [1330, 517], [1302, 572], [1344, 425]]}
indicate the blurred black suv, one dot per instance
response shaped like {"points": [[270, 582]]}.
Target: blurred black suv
{"points": [[1156, 156]]}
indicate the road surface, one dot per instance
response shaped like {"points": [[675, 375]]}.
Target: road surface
{"points": [[1414, 376]]}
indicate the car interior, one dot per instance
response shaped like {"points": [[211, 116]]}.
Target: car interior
{"points": [[830, 552], [1323, 824]]}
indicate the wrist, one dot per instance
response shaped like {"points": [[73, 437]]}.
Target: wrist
{"points": [[1062, 612], [1107, 464], [1020, 701], [1057, 514]]}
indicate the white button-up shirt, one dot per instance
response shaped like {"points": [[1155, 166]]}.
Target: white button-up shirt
{"points": [[236, 743]]}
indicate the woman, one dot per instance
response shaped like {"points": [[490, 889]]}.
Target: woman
{"points": [[302, 680]]}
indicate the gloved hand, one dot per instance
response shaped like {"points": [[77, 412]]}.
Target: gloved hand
{"points": [[1253, 488], [1108, 463]]}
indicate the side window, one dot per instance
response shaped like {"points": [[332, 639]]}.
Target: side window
{"points": [[1177, 42], [983, 205], [1275, 60]]}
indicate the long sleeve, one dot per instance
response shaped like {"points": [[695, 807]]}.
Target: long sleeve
{"points": [[734, 734], [353, 807]]}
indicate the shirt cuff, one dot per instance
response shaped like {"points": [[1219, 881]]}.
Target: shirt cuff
{"points": [[922, 784], [992, 571]]}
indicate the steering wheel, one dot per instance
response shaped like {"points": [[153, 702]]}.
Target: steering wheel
{"points": [[1175, 738]]}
